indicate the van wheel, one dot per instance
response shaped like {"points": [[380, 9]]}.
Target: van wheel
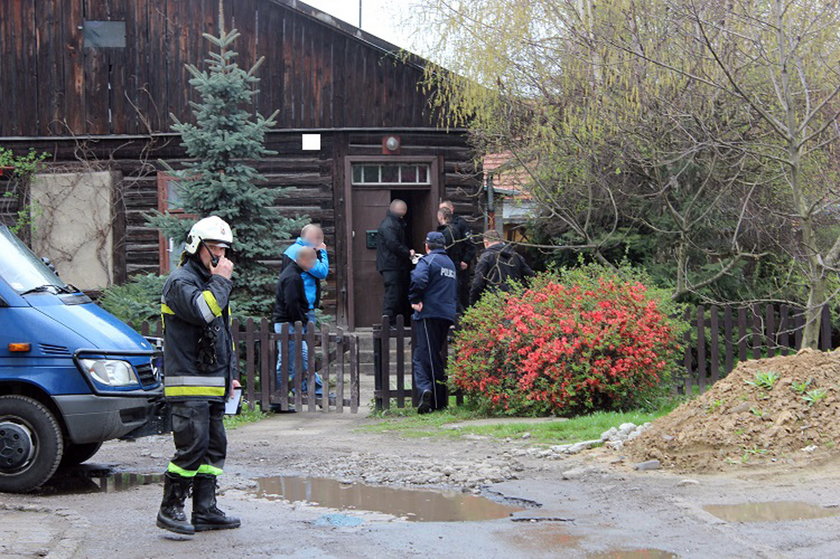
{"points": [[31, 444], [75, 454]]}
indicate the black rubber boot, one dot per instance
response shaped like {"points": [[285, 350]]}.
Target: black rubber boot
{"points": [[425, 402], [206, 515], [171, 514]]}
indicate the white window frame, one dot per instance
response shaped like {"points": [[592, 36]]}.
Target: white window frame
{"points": [[400, 165]]}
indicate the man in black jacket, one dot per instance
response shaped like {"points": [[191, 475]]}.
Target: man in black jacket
{"points": [[393, 260], [498, 266], [200, 366], [290, 306], [463, 236]]}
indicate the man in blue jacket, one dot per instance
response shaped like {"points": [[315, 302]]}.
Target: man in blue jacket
{"points": [[434, 297], [311, 237]]}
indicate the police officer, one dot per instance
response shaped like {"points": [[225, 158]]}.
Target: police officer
{"points": [[433, 296], [199, 365]]}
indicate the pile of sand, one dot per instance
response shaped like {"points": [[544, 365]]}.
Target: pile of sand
{"points": [[735, 423]]}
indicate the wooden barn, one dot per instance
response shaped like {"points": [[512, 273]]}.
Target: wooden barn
{"points": [[93, 83]]}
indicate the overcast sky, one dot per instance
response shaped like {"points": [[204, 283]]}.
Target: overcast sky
{"points": [[383, 18]]}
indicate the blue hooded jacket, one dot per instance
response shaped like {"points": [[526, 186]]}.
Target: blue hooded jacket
{"points": [[312, 278], [434, 282]]}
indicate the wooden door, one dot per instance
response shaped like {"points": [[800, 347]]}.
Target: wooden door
{"points": [[369, 208]]}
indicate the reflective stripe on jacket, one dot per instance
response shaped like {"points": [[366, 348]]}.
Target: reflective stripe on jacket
{"points": [[199, 358]]}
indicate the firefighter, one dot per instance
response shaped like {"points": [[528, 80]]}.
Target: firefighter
{"points": [[199, 365]]}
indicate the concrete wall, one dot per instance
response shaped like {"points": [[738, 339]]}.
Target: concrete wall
{"points": [[72, 225]]}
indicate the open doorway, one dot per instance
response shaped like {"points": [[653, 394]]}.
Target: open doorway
{"points": [[420, 218], [371, 184]]}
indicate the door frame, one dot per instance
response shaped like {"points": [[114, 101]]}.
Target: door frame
{"points": [[434, 188]]}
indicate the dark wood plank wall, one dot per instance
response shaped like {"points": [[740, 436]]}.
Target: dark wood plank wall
{"points": [[314, 74]]}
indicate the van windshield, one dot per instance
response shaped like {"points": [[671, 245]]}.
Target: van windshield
{"points": [[22, 270]]}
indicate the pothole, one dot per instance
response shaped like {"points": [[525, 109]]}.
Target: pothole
{"points": [[410, 504], [773, 511]]}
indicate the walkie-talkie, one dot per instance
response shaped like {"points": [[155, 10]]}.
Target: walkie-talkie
{"points": [[214, 260]]}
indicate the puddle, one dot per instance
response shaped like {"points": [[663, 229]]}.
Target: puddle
{"points": [[411, 504], [89, 479], [773, 511], [633, 554]]}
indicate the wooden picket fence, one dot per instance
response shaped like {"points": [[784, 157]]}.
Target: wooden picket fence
{"points": [[719, 338], [333, 354], [399, 337]]}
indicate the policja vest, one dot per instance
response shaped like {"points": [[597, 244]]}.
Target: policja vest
{"points": [[199, 361]]}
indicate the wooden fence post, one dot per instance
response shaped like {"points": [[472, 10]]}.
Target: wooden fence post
{"points": [[354, 375], [250, 375], [400, 340], [298, 349], [266, 368], [340, 348], [701, 348], [285, 336], [385, 391], [311, 389], [325, 367], [714, 347]]}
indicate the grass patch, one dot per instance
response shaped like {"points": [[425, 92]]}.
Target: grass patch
{"points": [[405, 422], [246, 416]]}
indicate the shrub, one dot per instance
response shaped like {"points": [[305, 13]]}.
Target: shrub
{"points": [[135, 301], [575, 341]]}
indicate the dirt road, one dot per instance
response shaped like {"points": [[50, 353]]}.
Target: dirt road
{"points": [[581, 506]]}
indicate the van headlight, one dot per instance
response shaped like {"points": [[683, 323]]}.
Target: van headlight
{"points": [[110, 372]]}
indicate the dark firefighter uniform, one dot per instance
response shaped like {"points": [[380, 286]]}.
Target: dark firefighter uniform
{"points": [[199, 367]]}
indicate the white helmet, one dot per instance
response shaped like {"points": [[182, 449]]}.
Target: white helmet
{"points": [[213, 229]]}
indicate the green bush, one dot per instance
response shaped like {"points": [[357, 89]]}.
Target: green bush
{"points": [[135, 301], [575, 341]]}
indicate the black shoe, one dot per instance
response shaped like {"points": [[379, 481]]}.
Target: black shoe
{"points": [[425, 402], [205, 515], [171, 514]]}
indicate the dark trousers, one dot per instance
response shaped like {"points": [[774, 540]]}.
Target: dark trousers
{"points": [[395, 301], [463, 288], [199, 435], [427, 362]]}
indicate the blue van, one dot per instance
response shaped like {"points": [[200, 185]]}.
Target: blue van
{"points": [[71, 374]]}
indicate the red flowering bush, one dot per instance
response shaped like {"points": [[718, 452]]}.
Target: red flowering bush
{"points": [[575, 341]]}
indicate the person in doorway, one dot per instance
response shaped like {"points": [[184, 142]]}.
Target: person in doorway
{"points": [[393, 260], [463, 236], [498, 266], [311, 236], [454, 249], [292, 305], [200, 366], [433, 296]]}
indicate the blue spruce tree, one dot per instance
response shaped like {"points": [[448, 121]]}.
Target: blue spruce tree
{"points": [[220, 179]]}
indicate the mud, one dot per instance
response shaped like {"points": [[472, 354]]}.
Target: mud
{"points": [[608, 508], [634, 554], [737, 425]]}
